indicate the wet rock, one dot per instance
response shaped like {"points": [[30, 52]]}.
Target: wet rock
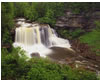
{"points": [[35, 55]]}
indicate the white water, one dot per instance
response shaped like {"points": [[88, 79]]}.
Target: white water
{"points": [[36, 38]]}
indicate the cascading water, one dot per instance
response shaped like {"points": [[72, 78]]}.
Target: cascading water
{"points": [[36, 38]]}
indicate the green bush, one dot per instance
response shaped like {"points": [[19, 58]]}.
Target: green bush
{"points": [[19, 68], [7, 22], [70, 34], [97, 25], [76, 33], [93, 39], [12, 65]]}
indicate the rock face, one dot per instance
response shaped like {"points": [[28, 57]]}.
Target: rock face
{"points": [[70, 20]]}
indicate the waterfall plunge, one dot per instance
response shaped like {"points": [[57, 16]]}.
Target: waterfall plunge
{"points": [[37, 38]]}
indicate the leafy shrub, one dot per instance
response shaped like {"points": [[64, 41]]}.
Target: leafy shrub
{"points": [[70, 34], [76, 33], [7, 22], [97, 25], [12, 64], [15, 67], [93, 38]]}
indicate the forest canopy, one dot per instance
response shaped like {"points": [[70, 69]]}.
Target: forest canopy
{"points": [[43, 12]]}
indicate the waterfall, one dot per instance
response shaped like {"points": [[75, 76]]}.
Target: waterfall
{"points": [[33, 38]]}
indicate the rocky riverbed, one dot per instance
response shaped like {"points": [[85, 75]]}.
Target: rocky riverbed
{"points": [[80, 57]]}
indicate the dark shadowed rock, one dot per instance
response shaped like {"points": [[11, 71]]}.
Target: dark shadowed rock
{"points": [[35, 55], [72, 20]]}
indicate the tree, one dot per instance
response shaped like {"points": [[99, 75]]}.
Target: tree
{"points": [[6, 21]]}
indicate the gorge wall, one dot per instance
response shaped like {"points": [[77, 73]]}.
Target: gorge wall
{"points": [[72, 20]]}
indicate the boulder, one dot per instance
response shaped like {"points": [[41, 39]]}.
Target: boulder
{"points": [[35, 55]]}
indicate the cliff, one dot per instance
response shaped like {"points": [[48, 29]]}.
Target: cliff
{"points": [[72, 20]]}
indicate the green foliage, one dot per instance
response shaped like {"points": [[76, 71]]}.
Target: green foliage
{"points": [[93, 38], [47, 72], [19, 68], [97, 25], [76, 33], [6, 37], [71, 34], [6, 21], [15, 67], [79, 7], [12, 65], [48, 18], [41, 12], [47, 12], [21, 9], [64, 33]]}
